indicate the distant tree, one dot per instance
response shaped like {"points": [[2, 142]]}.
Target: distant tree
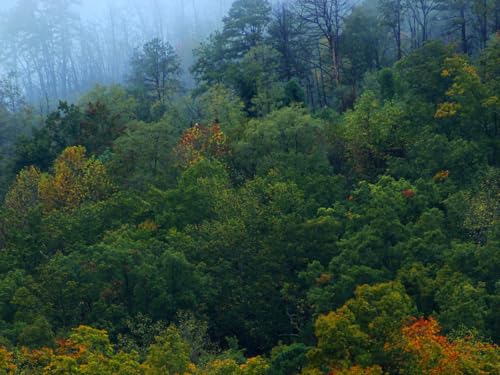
{"points": [[39, 39], [156, 71], [62, 128], [285, 33], [201, 142], [11, 95], [255, 79], [118, 102], [459, 20], [371, 133], [295, 44], [245, 25], [6, 362], [288, 139], [423, 13], [211, 60], [391, 14], [421, 72], [361, 45], [288, 359], [327, 18], [221, 105], [482, 13]]}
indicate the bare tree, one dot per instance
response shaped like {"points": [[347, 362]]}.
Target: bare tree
{"points": [[423, 12], [458, 20], [327, 17], [391, 12], [482, 10]]}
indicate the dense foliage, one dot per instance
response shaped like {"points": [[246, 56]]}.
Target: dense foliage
{"points": [[336, 215]]}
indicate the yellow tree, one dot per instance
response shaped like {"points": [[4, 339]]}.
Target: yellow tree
{"points": [[7, 365], [76, 179], [87, 351]]}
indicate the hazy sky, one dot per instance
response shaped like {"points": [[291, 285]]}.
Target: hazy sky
{"points": [[96, 8], [102, 44], [167, 19]]}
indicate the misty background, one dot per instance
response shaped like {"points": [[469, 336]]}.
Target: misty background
{"points": [[58, 49]]}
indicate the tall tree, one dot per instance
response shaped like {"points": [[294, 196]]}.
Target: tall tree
{"points": [[327, 18], [361, 46], [483, 12], [391, 12], [156, 71], [423, 12], [245, 25], [285, 34], [459, 10]]}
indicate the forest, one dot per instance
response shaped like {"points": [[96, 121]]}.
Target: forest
{"points": [[301, 187]]}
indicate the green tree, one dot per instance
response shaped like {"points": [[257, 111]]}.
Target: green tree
{"points": [[362, 48], [222, 105], [211, 61], [155, 73], [61, 129], [142, 155], [288, 359], [107, 113], [420, 72], [460, 303], [373, 134], [288, 139], [245, 24]]}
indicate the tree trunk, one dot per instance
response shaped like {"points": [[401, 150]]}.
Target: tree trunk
{"points": [[398, 32], [463, 29], [335, 64]]}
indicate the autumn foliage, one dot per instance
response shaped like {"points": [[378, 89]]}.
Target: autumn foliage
{"points": [[76, 179], [441, 176], [432, 353], [7, 365], [201, 142], [88, 351], [408, 193]]}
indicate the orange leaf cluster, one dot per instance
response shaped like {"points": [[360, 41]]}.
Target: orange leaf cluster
{"points": [[441, 176], [408, 193], [323, 279], [435, 354], [201, 142]]}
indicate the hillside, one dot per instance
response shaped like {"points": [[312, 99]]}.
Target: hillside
{"points": [[325, 201]]}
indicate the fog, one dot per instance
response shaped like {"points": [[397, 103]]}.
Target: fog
{"points": [[159, 16], [58, 49]]}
